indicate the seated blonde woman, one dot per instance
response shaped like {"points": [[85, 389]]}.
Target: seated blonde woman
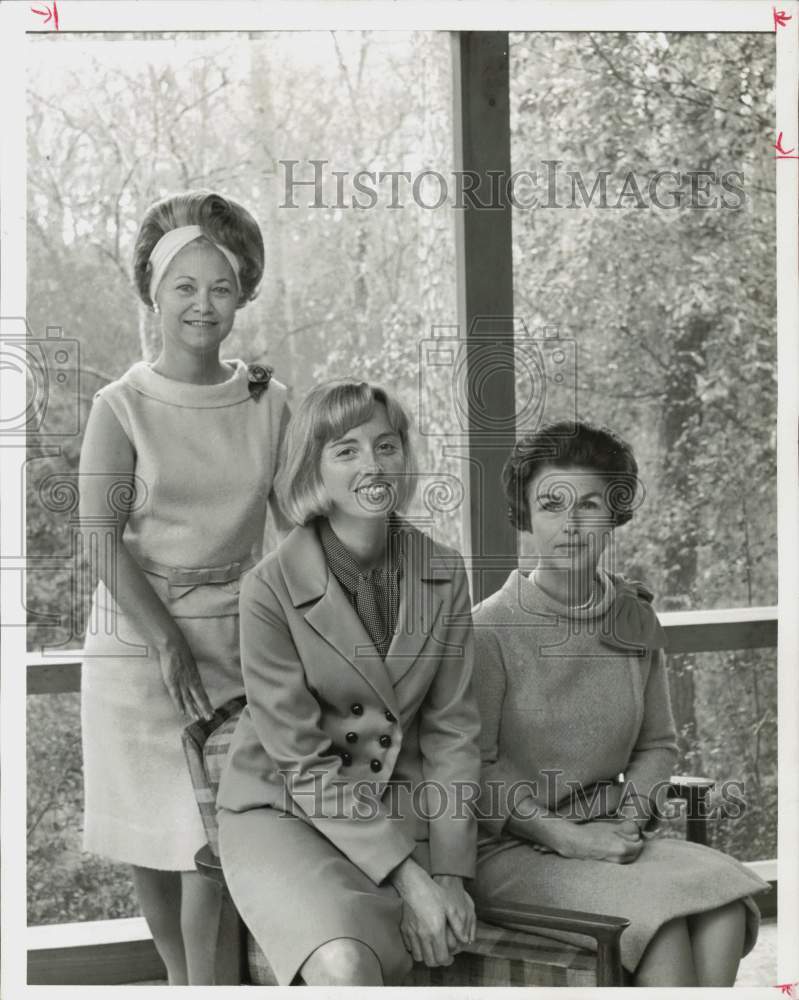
{"points": [[572, 689], [343, 835]]}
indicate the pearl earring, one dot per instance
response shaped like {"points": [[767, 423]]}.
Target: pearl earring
{"points": [[156, 310]]}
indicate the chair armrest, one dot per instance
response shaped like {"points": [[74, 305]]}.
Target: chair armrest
{"points": [[695, 791], [606, 930]]}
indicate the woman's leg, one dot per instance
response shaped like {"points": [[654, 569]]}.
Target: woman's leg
{"points": [[210, 933], [668, 959], [159, 896], [342, 962], [717, 938]]}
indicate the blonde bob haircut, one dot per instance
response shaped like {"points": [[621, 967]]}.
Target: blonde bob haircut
{"points": [[326, 413]]}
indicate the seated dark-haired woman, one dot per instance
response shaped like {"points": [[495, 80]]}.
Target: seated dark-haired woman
{"points": [[573, 693]]}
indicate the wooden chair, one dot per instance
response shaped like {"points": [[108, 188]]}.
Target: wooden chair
{"points": [[499, 956]]}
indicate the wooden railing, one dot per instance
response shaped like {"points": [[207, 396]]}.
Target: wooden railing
{"points": [[121, 951], [686, 631]]}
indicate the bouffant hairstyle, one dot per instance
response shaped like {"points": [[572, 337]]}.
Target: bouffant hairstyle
{"points": [[566, 444], [223, 219], [326, 413]]}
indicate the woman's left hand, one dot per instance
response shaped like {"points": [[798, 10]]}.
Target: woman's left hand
{"points": [[627, 828], [459, 908]]}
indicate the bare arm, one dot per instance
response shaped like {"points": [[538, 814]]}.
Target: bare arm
{"points": [[281, 525], [107, 457]]}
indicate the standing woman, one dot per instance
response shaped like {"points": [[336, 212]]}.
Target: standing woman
{"points": [[345, 827], [196, 437]]}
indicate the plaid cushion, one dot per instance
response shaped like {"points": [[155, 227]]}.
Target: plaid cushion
{"points": [[501, 957], [258, 964], [205, 744], [498, 957]]}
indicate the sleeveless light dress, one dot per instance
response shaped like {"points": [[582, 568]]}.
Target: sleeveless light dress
{"points": [[205, 461]]}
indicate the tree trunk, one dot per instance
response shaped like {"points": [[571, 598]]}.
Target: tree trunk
{"points": [[149, 333], [682, 419], [277, 346]]}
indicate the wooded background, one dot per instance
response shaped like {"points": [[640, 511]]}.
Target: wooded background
{"points": [[673, 312]]}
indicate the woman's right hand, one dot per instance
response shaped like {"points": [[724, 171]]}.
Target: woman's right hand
{"points": [[603, 841], [182, 680], [424, 920]]}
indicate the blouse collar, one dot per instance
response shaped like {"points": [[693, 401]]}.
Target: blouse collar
{"points": [[234, 389], [624, 614]]}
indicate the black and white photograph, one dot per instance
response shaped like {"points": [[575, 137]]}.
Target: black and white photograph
{"points": [[398, 438]]}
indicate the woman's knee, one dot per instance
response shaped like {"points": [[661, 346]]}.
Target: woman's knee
{"points": [[201, 904], [343, 962], [668, 958], [159, 895]]}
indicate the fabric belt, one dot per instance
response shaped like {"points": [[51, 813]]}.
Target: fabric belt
{"points": [[184, 577]]}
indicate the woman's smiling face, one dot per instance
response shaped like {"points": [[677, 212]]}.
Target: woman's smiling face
{"points": [[570, 519], [197, 299], [360, 470]]}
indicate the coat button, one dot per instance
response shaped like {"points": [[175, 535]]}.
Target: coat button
{"points": [[390, 716], [356, 708], [376, 765], [351, 737], [385, 741], [346, 758]]}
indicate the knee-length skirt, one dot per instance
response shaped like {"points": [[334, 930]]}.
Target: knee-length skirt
{"points": [[296, 891], [139, 805], [669, 879]]}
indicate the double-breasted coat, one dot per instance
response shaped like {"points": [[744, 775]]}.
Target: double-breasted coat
{"points": [[379, 759]]}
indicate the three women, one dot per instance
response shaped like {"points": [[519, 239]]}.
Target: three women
{"points": [[356, 661]]}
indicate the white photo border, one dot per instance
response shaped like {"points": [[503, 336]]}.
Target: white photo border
{"points": [[18, 20]]}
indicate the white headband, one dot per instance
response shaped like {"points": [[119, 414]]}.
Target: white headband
{"points": [[171, 243]]}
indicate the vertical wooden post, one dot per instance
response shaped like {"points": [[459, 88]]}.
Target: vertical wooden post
{"points": [[485, 295]]}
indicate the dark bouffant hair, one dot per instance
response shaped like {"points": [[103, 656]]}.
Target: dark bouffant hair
{"points": [[566, 444], [223, 219]]}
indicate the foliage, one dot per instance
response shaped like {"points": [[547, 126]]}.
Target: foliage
{"points": [[64, 885], [673, 312]]}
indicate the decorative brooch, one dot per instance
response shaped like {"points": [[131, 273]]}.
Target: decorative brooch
{"points": [[258, 379]]}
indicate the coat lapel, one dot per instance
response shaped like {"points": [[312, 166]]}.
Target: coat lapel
{"points": [[334, 618], [308, 579], [420, 604]]}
